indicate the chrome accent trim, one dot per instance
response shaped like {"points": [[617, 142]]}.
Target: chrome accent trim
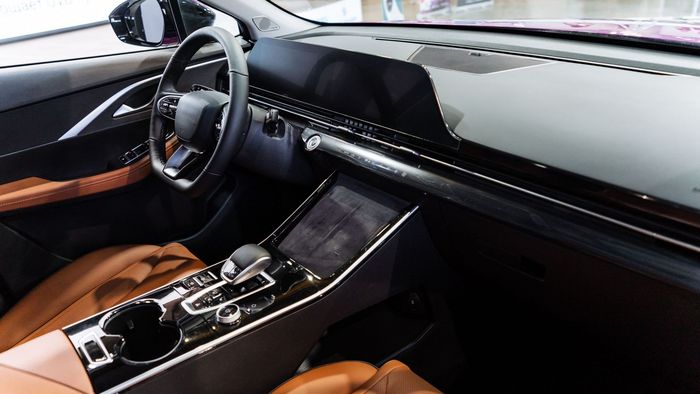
{"points": [[79, 127], [144, 301], [126, 110], [92, 336], [617, 222], [312, 142], [439, 104], [187, 302], [113, 312], [228, 320], [242, 330], [97, 332], [245, 273], [596, 215]]}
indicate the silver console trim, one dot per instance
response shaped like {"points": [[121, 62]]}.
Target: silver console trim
{"points": [[263, 320], [187, 302], [97, 332], [92, 336]]}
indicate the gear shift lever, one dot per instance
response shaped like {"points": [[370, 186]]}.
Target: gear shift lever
{"points": [[246, 262]]}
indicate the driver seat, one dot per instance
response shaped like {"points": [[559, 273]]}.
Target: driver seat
{"points": [[91, 284]]}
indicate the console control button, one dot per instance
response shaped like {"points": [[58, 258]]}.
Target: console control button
{"points": [[198, 304], [204, 278], [189, 283], [258, 304], [94, 351], [228, 315]]}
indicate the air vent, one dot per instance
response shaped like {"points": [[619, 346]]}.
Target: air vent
{"points": [[475, 62], [264, 23]]}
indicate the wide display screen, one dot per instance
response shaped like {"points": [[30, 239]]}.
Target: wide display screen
{"points": [[384, 92]]}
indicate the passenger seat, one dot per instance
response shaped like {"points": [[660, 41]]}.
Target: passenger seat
{"points": [[355, 377]]}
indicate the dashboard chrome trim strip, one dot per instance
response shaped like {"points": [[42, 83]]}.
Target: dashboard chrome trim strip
{"points": [[449, 129], [442, 163], [624, 250], [379, 241]]}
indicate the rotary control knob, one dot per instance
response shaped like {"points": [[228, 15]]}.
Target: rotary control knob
{"points": [[228, 314], [312, 142]]}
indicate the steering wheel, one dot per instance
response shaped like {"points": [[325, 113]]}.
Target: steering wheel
{"points": [[210, 126]]}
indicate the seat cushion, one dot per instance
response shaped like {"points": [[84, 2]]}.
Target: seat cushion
{"points": [[355, 377], [93, 283]]}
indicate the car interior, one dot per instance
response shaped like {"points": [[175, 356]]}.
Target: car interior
{"points": [[297, 207]]}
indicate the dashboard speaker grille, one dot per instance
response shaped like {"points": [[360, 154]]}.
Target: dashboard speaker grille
{"points": [[264, 23], [475, 62]]}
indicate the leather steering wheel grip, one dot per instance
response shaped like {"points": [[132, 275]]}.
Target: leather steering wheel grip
{"points": [[237, 119]]}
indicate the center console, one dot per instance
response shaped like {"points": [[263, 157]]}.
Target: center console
{"points": [[324, 242]]}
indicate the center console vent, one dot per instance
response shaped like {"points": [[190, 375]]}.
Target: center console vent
{"points": [[465, 60]]}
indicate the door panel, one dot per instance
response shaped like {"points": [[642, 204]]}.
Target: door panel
{"points": [[33, 191], [41, 103], [63, 195]]}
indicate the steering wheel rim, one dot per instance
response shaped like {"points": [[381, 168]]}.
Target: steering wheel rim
{"points": [[234, 125]]}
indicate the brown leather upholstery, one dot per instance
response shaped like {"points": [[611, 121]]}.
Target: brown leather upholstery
{"points": [[47, 364], [93, 283], [354, 377], [30, 192], [20, 382]]}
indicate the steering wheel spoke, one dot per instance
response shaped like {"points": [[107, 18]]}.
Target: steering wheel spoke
{"points": [[179, 161]]}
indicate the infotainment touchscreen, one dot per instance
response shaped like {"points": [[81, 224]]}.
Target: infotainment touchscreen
{"points": [[339, 226], [391, 93]]}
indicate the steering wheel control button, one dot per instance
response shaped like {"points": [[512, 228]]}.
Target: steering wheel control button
{"points": [[228, 315], [167, 106], [312, 142]]}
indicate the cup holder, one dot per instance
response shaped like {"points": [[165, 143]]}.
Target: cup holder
{"points": [[146, 338]]}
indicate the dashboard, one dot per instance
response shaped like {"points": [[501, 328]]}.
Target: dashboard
{"points": [[583, 137], [590, 130]]}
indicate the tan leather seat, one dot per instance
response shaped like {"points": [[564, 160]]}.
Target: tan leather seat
{"points": [[93, 283], [355, 377]]}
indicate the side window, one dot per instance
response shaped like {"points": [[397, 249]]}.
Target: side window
{"points": [[39, 31]]}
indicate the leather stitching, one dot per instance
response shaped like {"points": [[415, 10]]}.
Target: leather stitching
{"points": [[384, 378]]}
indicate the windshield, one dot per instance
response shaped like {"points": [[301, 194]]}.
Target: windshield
{"points": [[673, 21]]}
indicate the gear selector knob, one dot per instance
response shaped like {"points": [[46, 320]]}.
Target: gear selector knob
{"points": [[246, 262]]}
